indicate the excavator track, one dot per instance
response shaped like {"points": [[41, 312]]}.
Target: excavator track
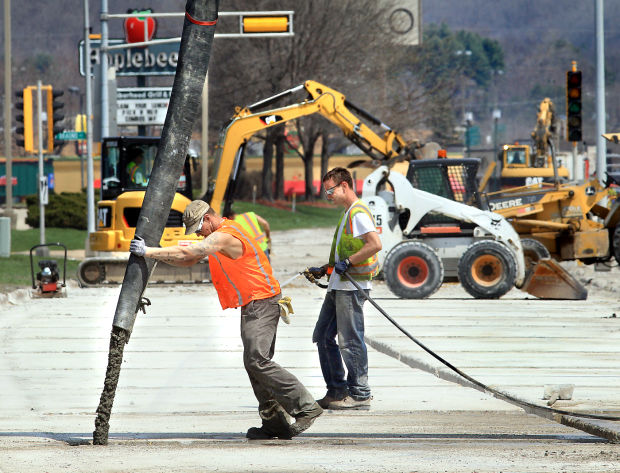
{"points": [[105, 271]]}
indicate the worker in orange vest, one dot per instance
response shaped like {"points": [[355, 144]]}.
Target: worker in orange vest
{"points": [[243, 277]]}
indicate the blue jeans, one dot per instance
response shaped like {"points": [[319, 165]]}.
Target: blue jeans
{"points": [[342, 315]]}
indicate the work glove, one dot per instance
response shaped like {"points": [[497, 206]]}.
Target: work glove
{"points": [[137, 246], [342, 266], [286, 308], [315, 273]]}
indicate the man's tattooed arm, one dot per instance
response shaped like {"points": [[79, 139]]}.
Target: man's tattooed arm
{"points": [[190, 255]]}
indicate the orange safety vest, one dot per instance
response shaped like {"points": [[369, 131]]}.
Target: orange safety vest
{"points": [[245, 279]]}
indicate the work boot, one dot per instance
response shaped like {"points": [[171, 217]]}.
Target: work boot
{"points": [[328, 398], [350, 403], [275, 423], [305, 419]]}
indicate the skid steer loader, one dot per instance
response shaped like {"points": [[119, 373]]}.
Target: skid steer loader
{"points": [[480, 246]]}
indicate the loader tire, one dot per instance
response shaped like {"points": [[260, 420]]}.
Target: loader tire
{"points": [[487, 270], [533, 252], [615, 243], [413, 270]]}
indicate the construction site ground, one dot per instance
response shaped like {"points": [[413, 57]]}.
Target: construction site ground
{"points": [[184, 402]]}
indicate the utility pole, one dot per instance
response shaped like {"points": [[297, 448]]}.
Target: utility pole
{"points": [[204, 136], [90, 192], [43, 251], [7, 111], [601, 145]]}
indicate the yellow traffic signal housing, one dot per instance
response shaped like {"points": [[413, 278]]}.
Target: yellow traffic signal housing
{"points": [[265, 24], [27, 129]]}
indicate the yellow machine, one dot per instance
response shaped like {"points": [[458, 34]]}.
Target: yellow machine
{"points": [[522, 167], [321, 100], [126, 163], [568, 219]]}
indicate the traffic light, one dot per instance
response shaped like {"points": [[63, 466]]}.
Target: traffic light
{"points": [[24, 103], [265, 24], [573, 106], [54, 115]]}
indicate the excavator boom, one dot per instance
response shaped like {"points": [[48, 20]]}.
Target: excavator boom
{"points": [[320, 100]]}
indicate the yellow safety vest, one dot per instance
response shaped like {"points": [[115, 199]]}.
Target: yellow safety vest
{"points": [[249, 223]]}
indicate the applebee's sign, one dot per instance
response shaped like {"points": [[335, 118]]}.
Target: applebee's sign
{"points": [[154, 60]]}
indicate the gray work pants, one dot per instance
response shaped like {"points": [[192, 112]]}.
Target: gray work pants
{"points": [[259, 323]]}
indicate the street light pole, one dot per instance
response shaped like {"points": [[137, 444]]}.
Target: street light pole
{"points": [[90, 193], [601, 145], [7, 110]]}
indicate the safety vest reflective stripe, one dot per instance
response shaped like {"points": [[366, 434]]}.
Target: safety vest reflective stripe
{"points": [[133, 168], [249, 223], [256, 255], [239, 298], [247, 278], [349, 245], [252, 222]]}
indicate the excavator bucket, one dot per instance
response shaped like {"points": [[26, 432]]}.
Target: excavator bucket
{"points": [[548, 280]]}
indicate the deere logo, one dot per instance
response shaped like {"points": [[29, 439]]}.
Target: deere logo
{"points": [[506, 204]]}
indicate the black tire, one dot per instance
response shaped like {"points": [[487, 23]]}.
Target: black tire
{"points": [[615, 243], [533, 252], [487, 270], [413, 270], [91, 273]]}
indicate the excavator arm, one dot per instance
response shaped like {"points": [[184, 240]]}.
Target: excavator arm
{"points": [[321, 100]]}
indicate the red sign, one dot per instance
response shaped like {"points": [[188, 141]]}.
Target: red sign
{"points": [[3, 180], [134, 27]]}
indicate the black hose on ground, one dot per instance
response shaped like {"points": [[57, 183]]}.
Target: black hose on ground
{"points": [[193, 61], [498, 394]]}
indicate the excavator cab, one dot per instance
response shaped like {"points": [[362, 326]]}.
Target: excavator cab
{"points": [[126, 164], [516, 156]]}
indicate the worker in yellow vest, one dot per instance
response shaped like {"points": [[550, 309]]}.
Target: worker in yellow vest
{"points": [[257, 227]]}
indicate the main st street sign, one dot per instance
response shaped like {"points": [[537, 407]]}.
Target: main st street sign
{"points": [[154, 60]]}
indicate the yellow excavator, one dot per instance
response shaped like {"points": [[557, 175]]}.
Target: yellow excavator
{"points": [[321, 100], [521, 166]]}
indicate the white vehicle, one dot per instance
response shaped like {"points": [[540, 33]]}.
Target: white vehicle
{"points": [[488, 257]]}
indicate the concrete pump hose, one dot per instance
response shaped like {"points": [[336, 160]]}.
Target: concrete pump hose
{"points": [[528, 406]]}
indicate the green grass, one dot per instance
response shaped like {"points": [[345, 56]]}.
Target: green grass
{"points": [[23, 240], [15, 271]]}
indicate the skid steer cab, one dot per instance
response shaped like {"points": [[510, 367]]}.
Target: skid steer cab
{"points": [[46, 282]]}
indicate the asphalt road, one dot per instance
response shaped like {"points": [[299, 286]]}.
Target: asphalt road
{"points": [[184, 402]]}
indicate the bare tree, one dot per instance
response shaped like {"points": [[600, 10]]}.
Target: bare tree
{"points": [[341, 44]]}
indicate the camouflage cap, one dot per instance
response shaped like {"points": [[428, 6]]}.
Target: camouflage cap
{"points": [[192, 217]]}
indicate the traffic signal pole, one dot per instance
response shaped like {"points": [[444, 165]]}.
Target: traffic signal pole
{"points": [[90, 191], [42, 251], [8, 152], [601, 144]]}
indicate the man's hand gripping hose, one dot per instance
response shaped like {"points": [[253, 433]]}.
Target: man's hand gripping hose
{"points": [[314, 274], [498, 394]]}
